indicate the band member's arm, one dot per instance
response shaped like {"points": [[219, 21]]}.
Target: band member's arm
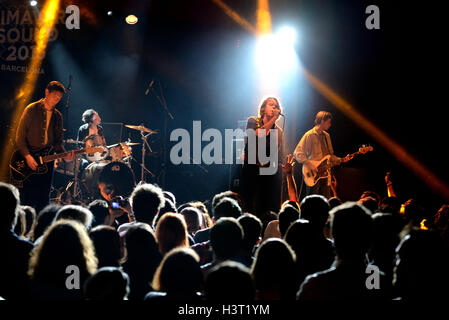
{"points": [[390, 190], [291, 184], [21, 132], [300, 152], [334, 186]]}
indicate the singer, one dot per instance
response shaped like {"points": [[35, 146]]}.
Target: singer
{"points": [[261, 193]]}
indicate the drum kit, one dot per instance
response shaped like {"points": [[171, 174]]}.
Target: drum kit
{"points": [[108, 173]]}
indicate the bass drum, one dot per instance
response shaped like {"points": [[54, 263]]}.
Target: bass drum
{"points": [[108, 180]]}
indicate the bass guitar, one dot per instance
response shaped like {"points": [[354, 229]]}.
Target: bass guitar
{"points": [[324, 168], [19, 168]]}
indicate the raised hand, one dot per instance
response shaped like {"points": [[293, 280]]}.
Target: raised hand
{"points": [[289, 163]]}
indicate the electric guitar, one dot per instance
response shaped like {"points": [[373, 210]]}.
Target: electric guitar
{"points": [[19, 167], [324, 168]]}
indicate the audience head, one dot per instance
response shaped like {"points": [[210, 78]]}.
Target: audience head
{"points": [[421, 266], [226, 237], [146, 201], [298, 236], [370, 203], [65, 243], [169, 196], [141, 245], [11, 202], [76, 213], [226, 194], [179, 272], [274, 271], [252, 230], [100, 212], [229, 280], [30, 217], [226, 207], [371, 194], [333, 202], [169, 207], [107, 284], [171, 232], [193, 218], [315, 208], [413, 212], [107, 246], [351, 227], [287, 216], [390, 205], [21, 223], [43, 220]]}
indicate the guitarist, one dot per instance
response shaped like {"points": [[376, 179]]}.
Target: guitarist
{"points": [[40, 127], [314, 146]]}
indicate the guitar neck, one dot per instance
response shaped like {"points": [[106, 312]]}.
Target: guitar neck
{"points": [[53, 157]]}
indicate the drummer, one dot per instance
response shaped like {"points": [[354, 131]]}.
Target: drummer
{"points": [[91, 125], [91, 130]]}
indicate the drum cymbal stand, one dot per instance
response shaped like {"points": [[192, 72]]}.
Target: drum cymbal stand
{"points": [[144, 138], [76, 193]]}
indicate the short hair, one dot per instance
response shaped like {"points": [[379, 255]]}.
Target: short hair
{"points": [[11, 201], [55, 86], [226, 237], [75, 212], [107, 284], [43, 220], [315, 208], [100, 211], [30, 217], [252, 229], [264, 104], [146, 200], [287, 216], [351, 228], [227, 207], [229, 280], [226, 194], [322, 116], [193, 218], [167, 208], [88, 115], [171, 232]]}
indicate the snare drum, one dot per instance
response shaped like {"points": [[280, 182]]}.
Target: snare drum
{"points": [[96, 140], [120, 152]]}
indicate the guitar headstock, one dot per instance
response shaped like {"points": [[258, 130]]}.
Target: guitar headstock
{"points": [[365, 149]]}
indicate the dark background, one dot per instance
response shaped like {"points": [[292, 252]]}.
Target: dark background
{"points": [[203, 61]]}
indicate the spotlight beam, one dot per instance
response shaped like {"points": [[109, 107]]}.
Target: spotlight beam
{"points": [[47, 20], [399, 152]]}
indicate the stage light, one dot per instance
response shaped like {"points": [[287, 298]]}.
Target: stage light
{"points": [[109, 13], [287, 35], [131, 19], [33, 3]]}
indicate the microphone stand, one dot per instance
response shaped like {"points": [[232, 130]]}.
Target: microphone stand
{"points": [[67, 103], [163, 103], [144, 142]]}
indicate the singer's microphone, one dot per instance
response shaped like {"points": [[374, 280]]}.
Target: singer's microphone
{"points": [[281, 114], [149, 87], [70, 82]]}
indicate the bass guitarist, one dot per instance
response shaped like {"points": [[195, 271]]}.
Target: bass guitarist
{"points": [[314, 146], [40, 127]]}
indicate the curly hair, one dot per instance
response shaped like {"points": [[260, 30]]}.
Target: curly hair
{"points": [[64, 243]]}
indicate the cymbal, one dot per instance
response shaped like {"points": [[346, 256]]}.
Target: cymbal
{"points": [[73, 141], [140, 128]]}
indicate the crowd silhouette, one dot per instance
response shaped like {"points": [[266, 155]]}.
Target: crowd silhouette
{"points": [[154, 249]]}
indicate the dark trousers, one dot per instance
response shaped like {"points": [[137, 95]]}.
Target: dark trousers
{"points": [[36, 189], [260, 193], [320, 188]]}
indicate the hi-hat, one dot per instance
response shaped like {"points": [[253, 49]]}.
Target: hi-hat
{"points": [[140, 128]]}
